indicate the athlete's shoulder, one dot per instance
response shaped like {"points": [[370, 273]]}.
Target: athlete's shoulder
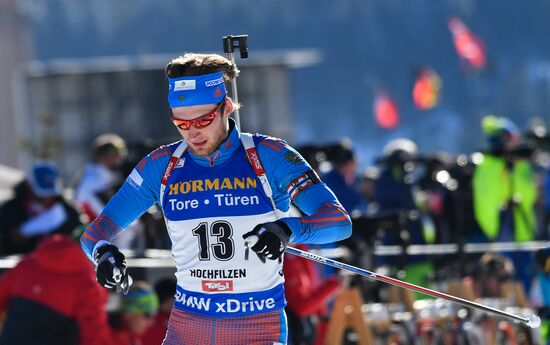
{"points": [[158, 156], [164, 150], [270, 143], [273, 150]]}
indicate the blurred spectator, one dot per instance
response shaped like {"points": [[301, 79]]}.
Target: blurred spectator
{"points": [[367, 186], [307, 297], [165, 290], [492, 271], [492, 280], [342, 177], [100, 181], [539, 295], [135, 315], [545, 226], [313, 154], [52, 297], [432, 196], [504, 185], [505, 191], [459, 205], [394, 193], [394, 186], [36, 210], [154, 227]]}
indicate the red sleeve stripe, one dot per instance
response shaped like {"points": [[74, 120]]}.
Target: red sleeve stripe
{"points": [[277, 142], [326, 206], [142, 163], [106, 226], [160, 154], [89, 236], [270, 145], [274, 140], [323, 220], [102, 228], [326, 213], [96, 231]]}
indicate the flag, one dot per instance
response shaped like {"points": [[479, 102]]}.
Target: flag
{"points": [[469, 47], [385, 111], [426, 89]]}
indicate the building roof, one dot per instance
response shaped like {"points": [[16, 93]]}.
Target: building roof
{"points": [[296, 58]]}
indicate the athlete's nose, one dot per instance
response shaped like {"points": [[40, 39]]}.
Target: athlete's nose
{"points": [[194, 132]]}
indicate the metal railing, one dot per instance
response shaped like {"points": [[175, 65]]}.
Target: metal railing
{"points": [[163, 258]]}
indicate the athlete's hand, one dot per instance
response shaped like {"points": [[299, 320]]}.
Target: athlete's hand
{"points": [[111, 270], [271, 239]]}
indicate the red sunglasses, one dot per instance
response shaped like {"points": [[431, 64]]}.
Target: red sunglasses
{"points": [[199, 122]]}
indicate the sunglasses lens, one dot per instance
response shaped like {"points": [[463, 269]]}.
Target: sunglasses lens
{"points": [[199, 123], [182, 124], [204, 121]]}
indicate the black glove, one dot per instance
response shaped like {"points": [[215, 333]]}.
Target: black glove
{"points": [[272, 239], [111, 271]]}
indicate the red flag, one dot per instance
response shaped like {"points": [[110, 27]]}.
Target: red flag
{"points": [[469, 47], [426, 89], [385, 111]]}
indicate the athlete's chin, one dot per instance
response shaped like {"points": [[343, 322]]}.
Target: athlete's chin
{"points": [[201, 151]]}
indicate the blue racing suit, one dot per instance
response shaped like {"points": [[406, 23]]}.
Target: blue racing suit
{"points": [[208, 204]]}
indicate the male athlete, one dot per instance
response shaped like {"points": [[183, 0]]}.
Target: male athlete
{"points": [[220, 190]]}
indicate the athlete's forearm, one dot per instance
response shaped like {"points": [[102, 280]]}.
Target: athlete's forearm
{"points": [[126, 205], [327, 221], [102, 229]]}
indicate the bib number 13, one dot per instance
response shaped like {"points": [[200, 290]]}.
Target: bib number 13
{"points": [[221, 232]]}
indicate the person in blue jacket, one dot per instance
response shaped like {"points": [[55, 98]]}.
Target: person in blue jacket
{"points": [[226, 199], [342, 177]]}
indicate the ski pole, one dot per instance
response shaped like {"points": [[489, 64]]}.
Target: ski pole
{"points": [[532, 320]]}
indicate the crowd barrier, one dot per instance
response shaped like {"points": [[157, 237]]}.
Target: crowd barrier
{"points": [[152, 258], [403, 319]]}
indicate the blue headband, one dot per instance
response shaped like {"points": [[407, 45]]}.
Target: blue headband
{"points": [[196, 90]]}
